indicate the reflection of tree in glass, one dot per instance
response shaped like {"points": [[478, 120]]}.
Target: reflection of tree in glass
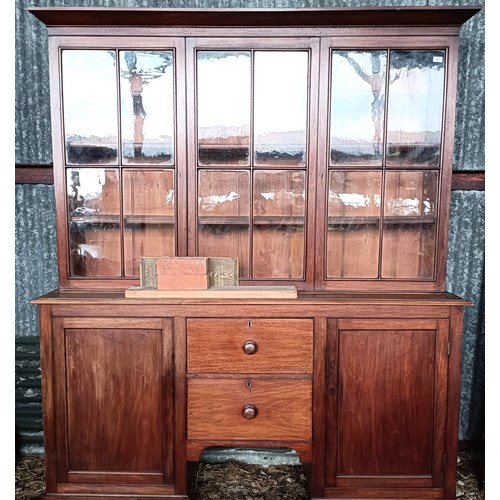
{"points": [[399, 60], [376, 80], [138, 78], [74, 200]]}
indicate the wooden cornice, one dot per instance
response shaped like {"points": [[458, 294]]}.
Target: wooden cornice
{"points": [[464, 180], [334, 16]]}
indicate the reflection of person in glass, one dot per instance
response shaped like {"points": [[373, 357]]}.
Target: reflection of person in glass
{"points": [[136, 83]]}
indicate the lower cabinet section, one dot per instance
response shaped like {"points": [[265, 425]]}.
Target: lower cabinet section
{"points": [[366, 394]]}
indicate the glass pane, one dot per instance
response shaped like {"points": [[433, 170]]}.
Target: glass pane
{"points": [[409, 236], [357, 107], [90, 107], [415, 107], [224, 216], [224, 83], [278, 226], [352, 242], [147, 106], [94, 222], [280, 108], [149, 208]]}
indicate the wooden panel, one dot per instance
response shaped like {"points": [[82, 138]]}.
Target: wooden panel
{"points": [[386, 402], [115, 478], [319, 405], [108, 261], [146, 239], [385, 493], [49, 395], [215, 409], [114, 399], [390, 481], [283, 345], [116, 491], [278, 251], [453, 394], [352, 250], [180, 395]]}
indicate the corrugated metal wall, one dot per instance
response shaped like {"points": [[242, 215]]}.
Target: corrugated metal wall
{"points": [[36, 261]]}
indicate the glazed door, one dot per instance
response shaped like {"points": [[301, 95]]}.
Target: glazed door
{"points": [[386, 410], [121, 157], [114, 405], [251, 157], [383, 161]]}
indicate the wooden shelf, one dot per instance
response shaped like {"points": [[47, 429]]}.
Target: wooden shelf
{"points": [[271, 220], [368, 220]]}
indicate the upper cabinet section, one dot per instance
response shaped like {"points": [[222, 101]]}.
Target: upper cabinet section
{"points": [[313, 144]]}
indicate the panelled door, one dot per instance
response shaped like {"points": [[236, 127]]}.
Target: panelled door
{"points": [[114, 400], [386, 409]]}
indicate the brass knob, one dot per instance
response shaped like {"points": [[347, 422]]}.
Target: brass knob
{"points": [[249, 412], [249, 347]]}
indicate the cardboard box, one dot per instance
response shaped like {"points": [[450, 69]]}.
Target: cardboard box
{"points": [[182, 273], [222, 271]]}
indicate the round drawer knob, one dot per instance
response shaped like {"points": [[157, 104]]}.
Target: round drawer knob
{"points": [[249, 347], [249, 412]]}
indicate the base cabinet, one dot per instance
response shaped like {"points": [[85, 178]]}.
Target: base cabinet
{"points": [[367, 394]]}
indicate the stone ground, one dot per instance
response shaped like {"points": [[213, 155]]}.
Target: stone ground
{"points": [[239, 481]]}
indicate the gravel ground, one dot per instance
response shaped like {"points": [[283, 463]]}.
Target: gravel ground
{"points": [[238, 481]]}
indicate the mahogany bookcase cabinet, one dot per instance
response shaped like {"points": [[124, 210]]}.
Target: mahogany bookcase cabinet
{"points": [[315, 145]]}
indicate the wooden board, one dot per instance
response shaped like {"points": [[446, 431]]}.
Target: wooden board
{"points": [[216, 292]]}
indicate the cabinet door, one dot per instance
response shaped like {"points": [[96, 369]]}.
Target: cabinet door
{"points": [[120, 167], [251, 158], [114, 403], [384, 164], [386, 405]]}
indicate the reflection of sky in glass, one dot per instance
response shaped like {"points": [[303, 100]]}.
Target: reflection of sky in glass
{"points": [[280, 91], [91, 182], [89, 89], [224, 86], [157, 96], [415, 100], [224, 91]]}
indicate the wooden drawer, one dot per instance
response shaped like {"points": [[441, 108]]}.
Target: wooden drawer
{"points": [[283, 409], [281, 345]]}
